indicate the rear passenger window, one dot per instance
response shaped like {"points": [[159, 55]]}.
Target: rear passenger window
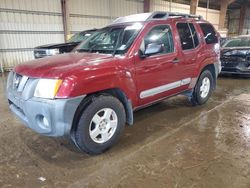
{"points": [[194, 34], [185, 36], [209, 33]]}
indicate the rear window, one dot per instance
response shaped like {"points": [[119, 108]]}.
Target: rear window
{"points": [[209, 33], [185, 36], [194, 34]]}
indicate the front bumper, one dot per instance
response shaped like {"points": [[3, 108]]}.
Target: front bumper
{"points": [[58, 114], [218, 68], [235, 67], [44, 116], [226, 70]]}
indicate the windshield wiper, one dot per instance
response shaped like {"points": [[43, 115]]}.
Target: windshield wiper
{"points": [[92, 47], [82, 50], [87, 50]]}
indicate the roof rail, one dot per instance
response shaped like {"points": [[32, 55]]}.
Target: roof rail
{"points": [[159, 15], [165, 15]]}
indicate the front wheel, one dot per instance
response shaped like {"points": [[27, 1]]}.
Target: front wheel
{"points": [[100, 125], [203, 88]]}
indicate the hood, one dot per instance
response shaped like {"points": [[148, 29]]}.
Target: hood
{"points": [[236, 51], [59, 45], [60, 66]]}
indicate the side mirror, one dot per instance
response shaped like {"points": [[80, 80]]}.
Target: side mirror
{"points": [[153, 48]]}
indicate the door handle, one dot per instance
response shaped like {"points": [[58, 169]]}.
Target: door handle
{"points": [[176, 60]]}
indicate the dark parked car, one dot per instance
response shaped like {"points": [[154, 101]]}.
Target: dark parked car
{"points": [[53, 49], [235, 56], [136, 61]]}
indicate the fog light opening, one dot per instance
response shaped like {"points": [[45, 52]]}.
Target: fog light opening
{"points": [[43, 122]]}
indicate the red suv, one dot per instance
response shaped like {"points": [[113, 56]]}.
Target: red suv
{"points": [[136, 61]]}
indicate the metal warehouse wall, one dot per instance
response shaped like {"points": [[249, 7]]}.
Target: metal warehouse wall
{"points": [[25, 24], [234, 21], [246, 26], [209, 14], [88, 14]]}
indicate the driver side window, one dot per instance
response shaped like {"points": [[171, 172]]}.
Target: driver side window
{"points": [[160, 35]]}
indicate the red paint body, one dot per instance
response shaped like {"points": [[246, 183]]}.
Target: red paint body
{"points": [[86, 73]]}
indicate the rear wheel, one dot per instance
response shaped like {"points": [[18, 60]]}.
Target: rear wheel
{"points": [[203, 88], [100, 125]]}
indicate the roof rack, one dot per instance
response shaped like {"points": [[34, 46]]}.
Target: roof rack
{"points": [[165, 15], [159, 15]]}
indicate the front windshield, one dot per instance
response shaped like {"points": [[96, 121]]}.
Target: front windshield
{"points": [[238, 42], [111, 40], [78, 37]]}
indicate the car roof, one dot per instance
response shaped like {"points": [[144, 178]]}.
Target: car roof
{"points": [[90, 30]]}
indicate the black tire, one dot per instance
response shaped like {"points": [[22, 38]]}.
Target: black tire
{"points": [[82, 136], [196, 98]]}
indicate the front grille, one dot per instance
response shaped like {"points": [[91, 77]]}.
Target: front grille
{"points": [[230, 64], [41, 52], [17, 107], [232, 59], [24, 89], [248, 59], [38, 53], [18, 82]]}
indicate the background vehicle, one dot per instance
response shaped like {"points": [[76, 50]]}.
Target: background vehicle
{"points": [[132, 63], [53, 49], [235, 56], [223, 40]]}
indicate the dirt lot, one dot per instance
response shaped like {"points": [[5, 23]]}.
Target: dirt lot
{"points": [[171, 144]]}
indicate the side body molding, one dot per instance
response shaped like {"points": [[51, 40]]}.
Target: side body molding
{"points": [[164, 88]]}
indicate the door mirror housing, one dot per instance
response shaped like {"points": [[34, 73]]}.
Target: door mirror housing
{"points": [[151, 49]]}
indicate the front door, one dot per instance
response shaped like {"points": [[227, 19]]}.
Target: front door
{"points": [[157, 75]]}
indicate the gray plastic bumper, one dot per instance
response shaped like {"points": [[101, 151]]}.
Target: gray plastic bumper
{"points": [[218, 67], [44, 116]]}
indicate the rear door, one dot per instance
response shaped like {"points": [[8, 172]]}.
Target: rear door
{"points": [[190, 48]]}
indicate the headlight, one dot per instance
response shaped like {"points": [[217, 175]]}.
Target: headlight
{"points": [[53, 51], [47, 88]]}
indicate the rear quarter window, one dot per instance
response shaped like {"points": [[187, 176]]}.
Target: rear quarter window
{"points": [[209, 33]]}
